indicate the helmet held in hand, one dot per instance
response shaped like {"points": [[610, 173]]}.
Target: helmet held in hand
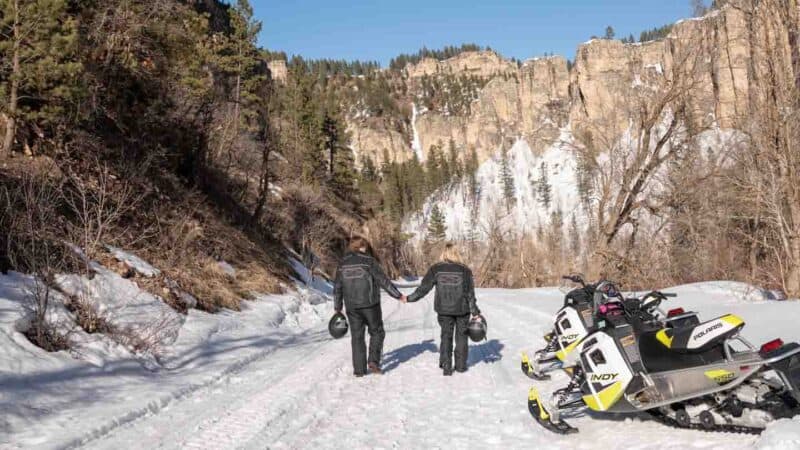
{"points": [[338, 325], [476, 329]]}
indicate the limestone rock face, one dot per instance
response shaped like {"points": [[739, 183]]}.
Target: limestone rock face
{"points": [[378, 142], [709, 55], [529, 102], [278, 70], [482, 64], [717, 59]]}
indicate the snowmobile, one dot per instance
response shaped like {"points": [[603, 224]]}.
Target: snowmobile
{"points": [[577, 318], [702, 376]]}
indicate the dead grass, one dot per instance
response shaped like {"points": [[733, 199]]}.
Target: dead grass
{"points": [[88, 317], [46, 336]]}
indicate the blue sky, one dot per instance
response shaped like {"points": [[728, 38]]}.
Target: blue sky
{"points": [[380, 29]]}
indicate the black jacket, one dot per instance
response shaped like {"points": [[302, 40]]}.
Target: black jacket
{"points": [[455, 289], [358, 282]]}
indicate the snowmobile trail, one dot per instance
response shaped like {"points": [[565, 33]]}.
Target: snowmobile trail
{"points": [[303, 395]]}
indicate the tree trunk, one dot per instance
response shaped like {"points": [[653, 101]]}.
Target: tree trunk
{"points": [[11, 117], [793, 269]]}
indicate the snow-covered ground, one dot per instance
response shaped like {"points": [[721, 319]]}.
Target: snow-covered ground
{"points": [[528, 211], [255, 380]]}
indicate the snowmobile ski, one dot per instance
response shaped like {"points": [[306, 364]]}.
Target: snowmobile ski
{"points": [[529, 370], [541, 415]]}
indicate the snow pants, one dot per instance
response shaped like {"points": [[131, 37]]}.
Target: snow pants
{"points": [[453, 325], [372, 319]]}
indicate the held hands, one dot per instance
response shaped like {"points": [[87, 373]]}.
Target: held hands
{"points": [[403, 298]]}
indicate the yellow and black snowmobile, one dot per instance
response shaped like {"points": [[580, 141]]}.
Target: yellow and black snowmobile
{"points": [[699, 376], [578, 318]]}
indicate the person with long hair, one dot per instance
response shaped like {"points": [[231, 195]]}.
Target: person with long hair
{"points": [[454, 302], [357, 287]]}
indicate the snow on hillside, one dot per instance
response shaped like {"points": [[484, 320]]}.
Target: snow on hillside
{"points": [[52, 400], [416, 144], [528, 212]]}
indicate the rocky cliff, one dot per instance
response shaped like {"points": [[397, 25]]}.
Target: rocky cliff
{"points": [[537, 98]]}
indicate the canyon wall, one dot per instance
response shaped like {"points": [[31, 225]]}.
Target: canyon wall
{"points": [[607, 84]]}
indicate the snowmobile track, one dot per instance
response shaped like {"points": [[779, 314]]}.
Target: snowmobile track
{"points": [[719, 428]]}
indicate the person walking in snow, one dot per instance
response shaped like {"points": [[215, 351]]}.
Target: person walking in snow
{"points": [[357, 287], [454, 302]]}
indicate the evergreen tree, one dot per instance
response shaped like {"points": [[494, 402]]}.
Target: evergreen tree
{"points": [[453, 161], [39, 72], [543, 188], [437, 229], [303, 126], [342, 172], [574, 236], [416, 182], [392, 191], [368, 185], [507, 181], [471, 171], [238, 59], [609, 32], [434, 171], [445, 171]]}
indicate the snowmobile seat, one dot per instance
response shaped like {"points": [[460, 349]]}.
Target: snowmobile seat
{"points": [[656, 357], [701, 337]]}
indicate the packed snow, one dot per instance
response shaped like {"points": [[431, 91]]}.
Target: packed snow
{"points": [[271, 377]]}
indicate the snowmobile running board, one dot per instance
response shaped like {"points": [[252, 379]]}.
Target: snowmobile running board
{"points": [[540, 414], [528, 370]]}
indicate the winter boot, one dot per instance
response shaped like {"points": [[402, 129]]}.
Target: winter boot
{"points": [[374, 369]]}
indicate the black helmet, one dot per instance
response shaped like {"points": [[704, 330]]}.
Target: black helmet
{"points": [[338, 325], [476, 329]]}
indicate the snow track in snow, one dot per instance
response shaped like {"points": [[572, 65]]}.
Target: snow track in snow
{"points": [[303, 394]]}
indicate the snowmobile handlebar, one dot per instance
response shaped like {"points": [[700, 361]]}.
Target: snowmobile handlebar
{"points": [[661, 295], [574, 279]]}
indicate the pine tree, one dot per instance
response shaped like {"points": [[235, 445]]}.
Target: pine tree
{"points": [[471, 171], [303, 125], [453, 161], [507, 181], [437, 229], [543, 188], [38, 45], [433, 169], [368, 185], [238, 60], [416, 182], [392, 191], [556, 231], [574, 236], [609, 32]]}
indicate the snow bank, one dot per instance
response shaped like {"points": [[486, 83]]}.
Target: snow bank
{"points": [[61, 399], [139, 265], [781, 435], [123, 304], [723, 291]]}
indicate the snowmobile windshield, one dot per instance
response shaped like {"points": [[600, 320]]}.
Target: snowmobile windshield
{"points": [[604, 292]]}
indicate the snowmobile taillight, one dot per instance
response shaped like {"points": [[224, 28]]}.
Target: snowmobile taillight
{"points": [[675, 312], [772, 345]]}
